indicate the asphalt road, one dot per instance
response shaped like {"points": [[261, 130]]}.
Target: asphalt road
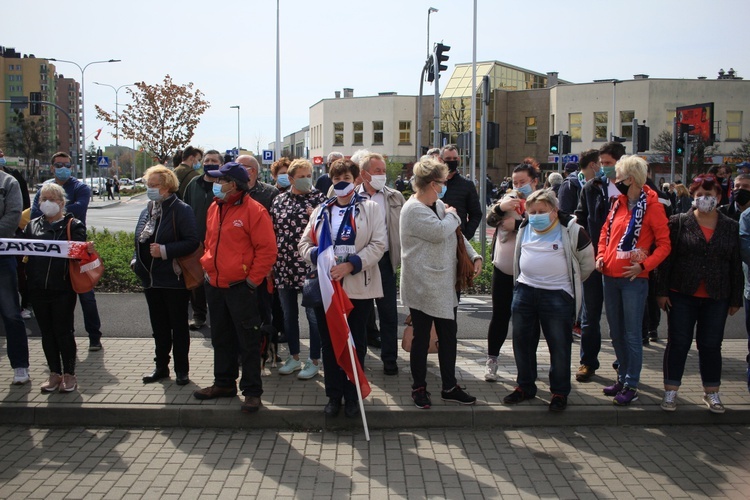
{"points": [[118, 217]]}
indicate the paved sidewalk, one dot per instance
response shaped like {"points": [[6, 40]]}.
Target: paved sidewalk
{"points": [[111, 393]]}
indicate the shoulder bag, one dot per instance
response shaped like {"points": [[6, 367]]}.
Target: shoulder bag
{"points": [[192, 271]]}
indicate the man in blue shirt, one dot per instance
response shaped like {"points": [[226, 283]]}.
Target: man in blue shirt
{"points": [[78, 195]]}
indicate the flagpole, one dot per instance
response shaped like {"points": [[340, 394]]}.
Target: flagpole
{"points": [[350, 344]]}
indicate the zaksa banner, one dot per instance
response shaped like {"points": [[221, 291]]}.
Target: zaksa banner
{"points": [[45, 248]]}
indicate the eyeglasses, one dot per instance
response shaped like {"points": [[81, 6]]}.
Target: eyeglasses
{"points": [[61, 165]]}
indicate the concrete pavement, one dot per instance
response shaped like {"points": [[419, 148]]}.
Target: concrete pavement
{"points": [[111, 394]]}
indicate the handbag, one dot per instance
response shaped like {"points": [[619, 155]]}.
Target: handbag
{"points": [[408, 337], [311, 296], [465, 266], [192, 271], [84, 277]]}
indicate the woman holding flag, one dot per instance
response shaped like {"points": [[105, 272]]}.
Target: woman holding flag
{"points": [[345, 240]]}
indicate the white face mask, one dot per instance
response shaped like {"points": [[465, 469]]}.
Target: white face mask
{"points": [[49, 208], [377, 182]]}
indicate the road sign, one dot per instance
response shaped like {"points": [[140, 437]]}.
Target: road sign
{"points": [[267, 156], [566, 158], [103, 162], [317, 160]]}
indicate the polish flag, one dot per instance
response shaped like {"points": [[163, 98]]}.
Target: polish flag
{"points": [[99, 131]]}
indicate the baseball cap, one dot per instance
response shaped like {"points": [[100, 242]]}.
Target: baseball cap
{"points": [[571, 167]]}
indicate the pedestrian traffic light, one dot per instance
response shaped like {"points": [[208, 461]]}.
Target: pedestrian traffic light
{"points": [[643, 136], [35, 103], [440, 56], [566, 144], [429, 67], [680, 148], [554, 144]]}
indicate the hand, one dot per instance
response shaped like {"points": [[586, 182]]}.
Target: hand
{"points": [[309, 210], [510, 204], [600, 264], [733, 310], [90, 247], [155, 251], [478, 267], [664, 303], [450, 210], [339, 271], [632, 271]]}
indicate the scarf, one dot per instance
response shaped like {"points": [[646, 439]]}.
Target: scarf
{"points": [[154, 214], [630, 239], [343, 240]]}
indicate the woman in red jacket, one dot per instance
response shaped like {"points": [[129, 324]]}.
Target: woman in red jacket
{"points": [[634, 240]]}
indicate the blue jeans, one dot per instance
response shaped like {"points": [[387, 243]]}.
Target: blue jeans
{"points": [[591, 316], [10, 310], [555, 311], [388, 311], [288, 298], [625, 300], [710, 317]]}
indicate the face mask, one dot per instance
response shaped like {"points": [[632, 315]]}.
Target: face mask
{"points": [[742, 197], [153, 194], [377, 182], [62, 174], [283, 180], [218, 192], [343, 188], [49, 208], [452, 165], [621, 187], [303, 184], [608, 172], [442, 192], [525, 190], [197, 166], [539, 222], [2, 162], [210, 168], [705, 204]]}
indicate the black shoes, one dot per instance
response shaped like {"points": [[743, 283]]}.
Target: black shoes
{"points": [[516, 397], [558, 402], [95, 345], [390, 368], [333, 407], [374, 342], [421, 398], [181, 379], [458, 395], [196, 324], [351, 409], [156, 375]]}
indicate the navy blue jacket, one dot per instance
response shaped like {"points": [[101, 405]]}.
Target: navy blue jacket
{"points": [[593, 207], [163, 273]]}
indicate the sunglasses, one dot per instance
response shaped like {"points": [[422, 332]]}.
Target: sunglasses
{"points": [[61, 165], [706, 181]]}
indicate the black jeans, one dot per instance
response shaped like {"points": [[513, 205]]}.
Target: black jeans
{"points": [[336, 382], [54, 313], [502, 298], [198, 302], [388, 310], [235, 330], [446, 332], [168, 311]]}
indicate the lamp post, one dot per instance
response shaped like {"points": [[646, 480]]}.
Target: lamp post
{"points": [[421, 86], [117, 117], [82, 155], [429, 11], [238, 127]]}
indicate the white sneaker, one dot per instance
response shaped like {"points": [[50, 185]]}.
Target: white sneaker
{"points": [[669, 403], [309, 371], [490, 371], [290, 366], [26, 313], [21, 376], [713, 402]]}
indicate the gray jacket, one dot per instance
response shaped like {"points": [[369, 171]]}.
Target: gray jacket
{"points": [[11, 205], [428, 258], [394, 202]]}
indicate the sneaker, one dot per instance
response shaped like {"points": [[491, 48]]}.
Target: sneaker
{"points": [[584, 373], [26, 313], [558, 402], [458, 395], [421, 398], [69, 383], [577, 330], [490, 370], [52, 383], [290, 366], [626, 396], [668, 402], [309, 371], [653, 336], [95, 345], [196, 324], [713, 402], [613, 390], [390, 367], [214, 392], [517, 396], [20, 376]]}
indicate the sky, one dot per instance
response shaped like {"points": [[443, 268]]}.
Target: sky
{"points": [[227, 48]]}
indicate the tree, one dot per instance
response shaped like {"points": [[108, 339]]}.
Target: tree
{"points": [[27, 138], [743, 150], [663, 143], [699, 149], [161, 117]]}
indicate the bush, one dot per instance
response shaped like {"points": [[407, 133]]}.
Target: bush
{"points": [[116, 251]]}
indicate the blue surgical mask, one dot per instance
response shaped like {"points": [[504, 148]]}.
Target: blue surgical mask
{"points": [[2, 162], [539, 222], [218, 192], [442, 192], [283, 180], [153, 194], [526, 189], [197, 166], [62, 173]]}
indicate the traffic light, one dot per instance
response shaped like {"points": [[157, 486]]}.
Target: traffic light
{"points": [[35, 103], [430, 69], [644, 140], [493, 135], [440, 56], [566, 144], [554, 144]]}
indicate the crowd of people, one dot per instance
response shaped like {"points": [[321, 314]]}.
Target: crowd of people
{"points": [[562, 249]]}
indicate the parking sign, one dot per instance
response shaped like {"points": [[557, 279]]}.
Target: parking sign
{"points": [[267, 156]]}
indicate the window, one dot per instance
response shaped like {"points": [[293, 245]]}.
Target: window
{"points": [[734, 126], [574, 126], [404, 132], [338, 133], [358, 138], [600, 125], [626, 124], [531, 130], [377, 132]]}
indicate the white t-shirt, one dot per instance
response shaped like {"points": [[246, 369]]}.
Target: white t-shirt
{"points": [[543, 263]]}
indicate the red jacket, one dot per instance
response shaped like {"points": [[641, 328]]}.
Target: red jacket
{"points": [[240, 243], [654, 231]]}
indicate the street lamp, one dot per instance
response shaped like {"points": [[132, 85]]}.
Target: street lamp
{"points": [[429, 11], [82, 155], [238, 127], [117, 119]]}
